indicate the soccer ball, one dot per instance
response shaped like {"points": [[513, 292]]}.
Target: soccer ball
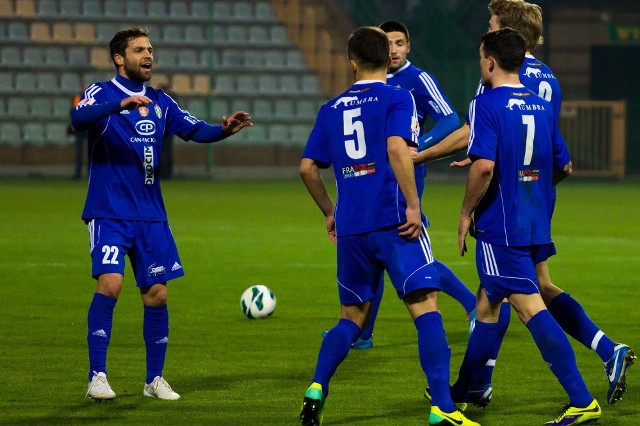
{"points": [[258, 302]]}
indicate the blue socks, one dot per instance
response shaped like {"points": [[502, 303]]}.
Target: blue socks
{"points": [[334, 349], [155, 330], [503, 324], [99, 322], [482, 344], [455, 288], [435, 358], [575, 322], [558, 354]]}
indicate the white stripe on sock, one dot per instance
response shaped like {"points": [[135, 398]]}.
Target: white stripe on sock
{"points": [[596, 339]]}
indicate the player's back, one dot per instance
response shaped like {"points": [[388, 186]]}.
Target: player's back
{"points": [[516, 129], [351, 133], [538, 77]]}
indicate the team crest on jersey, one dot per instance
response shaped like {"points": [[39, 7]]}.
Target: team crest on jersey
{"points": [[143, 110], [158, 111]]}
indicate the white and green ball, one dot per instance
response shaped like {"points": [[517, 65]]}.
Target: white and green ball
{"points": [[258, 302]]}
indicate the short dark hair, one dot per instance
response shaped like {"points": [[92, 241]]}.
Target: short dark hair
{"points": [[120, 41], [507, 46], [369, 47], [393, 26]]}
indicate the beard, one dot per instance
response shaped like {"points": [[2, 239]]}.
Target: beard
{"points": [[133, 72]]}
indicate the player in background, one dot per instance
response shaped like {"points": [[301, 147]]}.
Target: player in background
{"points": [[124, 209], [518, 155], [377, 222], [537, 77]]}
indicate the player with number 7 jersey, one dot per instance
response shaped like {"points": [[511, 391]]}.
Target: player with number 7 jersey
{"points": [[514, 113]]}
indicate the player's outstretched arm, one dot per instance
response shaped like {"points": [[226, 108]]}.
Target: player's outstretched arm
{"points": [[310, 174], [400, 160], [452, 144], [236, 122]]}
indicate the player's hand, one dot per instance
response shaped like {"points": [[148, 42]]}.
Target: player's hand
{"points": [[236, 122], [465, 226], [331, 229], [412, 228], [461, 164], [134, 102]]}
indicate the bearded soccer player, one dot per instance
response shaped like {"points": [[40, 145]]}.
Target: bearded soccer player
{"points": [[124, 209]]}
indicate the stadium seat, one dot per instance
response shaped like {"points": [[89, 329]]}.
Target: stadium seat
{"points": [[10, 133], [6, 9], [91, 9], [218, 108], [254, 59], [188, 58], [18, 107], [172, 33], [237, 34], [306, 110], [197, 107], [179, 10], [41, 108], [242, 10], [225, 84], [300, 134], [195, 34], [105, 32], [77, 56], [10, 57], [25, 8], [17, 31], [47, 82], [54, 57], [289, 83], [264, 11], [262, 109], [34, 56], [294, 60], [201, 84], [233, 58], [70, 8], [135, 10], [61, 107], [247, 84], [157, 9], [283, 109], [62, 32], [222, 11], [33, 134], [166, 58], [85, 32], [310, 85], [256, 135], [279, 36], [40, 32], [200, 10], [25, 82], [100, 58], [268, 84], [113, 9], [48, 8], [274, 59], [278, 134], [219, 34], [6, 82], [181, 84], [70, 83], [56, 134], [258, 34]]}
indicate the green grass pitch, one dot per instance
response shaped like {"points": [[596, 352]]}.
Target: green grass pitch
{"points": [[234, 371]]}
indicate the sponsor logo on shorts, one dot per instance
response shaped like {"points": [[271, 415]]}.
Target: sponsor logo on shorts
{"points": [[157, 270]]}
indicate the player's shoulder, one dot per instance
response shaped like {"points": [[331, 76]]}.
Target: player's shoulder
{"points": [[533, 67]]}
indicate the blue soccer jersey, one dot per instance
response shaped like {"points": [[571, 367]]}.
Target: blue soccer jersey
{"points": [[430, 101], [538, 78], [518, 130], [351, 134], [124, 150]]}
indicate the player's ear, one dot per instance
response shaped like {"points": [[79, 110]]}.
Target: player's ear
{"points": [[492, 63], [118, 59]]}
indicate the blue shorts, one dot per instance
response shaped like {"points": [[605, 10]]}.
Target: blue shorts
{"points": [[506, 270], [149, 245], [362, 260], [543, 252]]}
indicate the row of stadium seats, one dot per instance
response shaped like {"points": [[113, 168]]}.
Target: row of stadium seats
{"points": [[55, 134], [166, 58], [230, 34], [151, 10]]}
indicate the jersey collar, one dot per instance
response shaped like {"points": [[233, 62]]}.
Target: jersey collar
{"points": [[368, 81], [129, 87], [399, 70]]}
